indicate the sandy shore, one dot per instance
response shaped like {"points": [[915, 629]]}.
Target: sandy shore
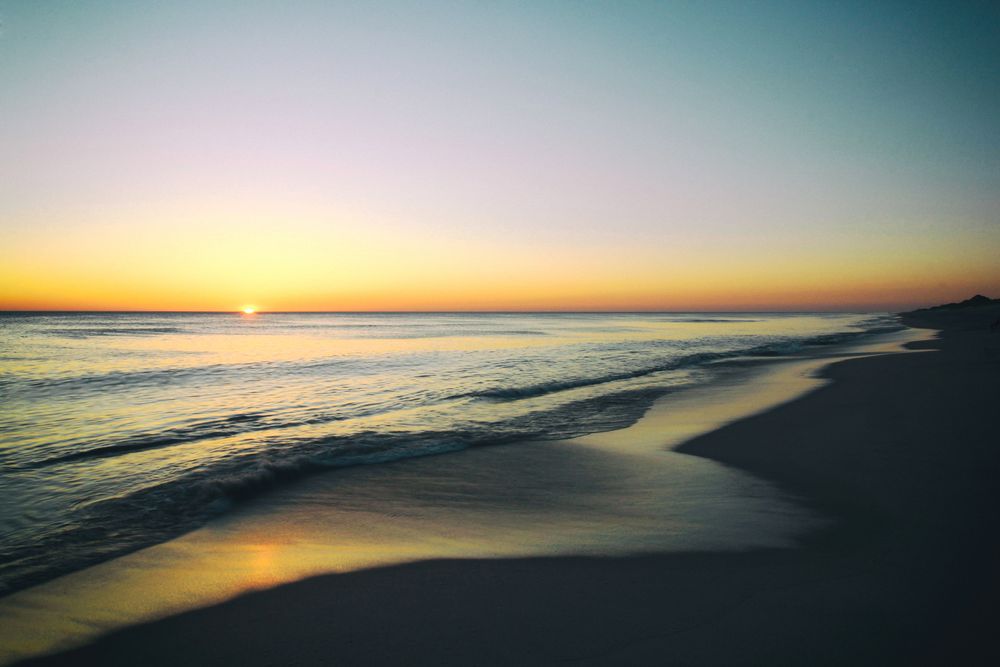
{"points": [[899, 450]]}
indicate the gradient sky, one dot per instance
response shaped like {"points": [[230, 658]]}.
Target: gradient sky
{"points": [[304, 155]]}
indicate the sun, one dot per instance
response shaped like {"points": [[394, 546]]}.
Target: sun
{"points": [[249, 310]]}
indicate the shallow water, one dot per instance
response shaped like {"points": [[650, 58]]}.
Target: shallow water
{"points": [[122, 430]]}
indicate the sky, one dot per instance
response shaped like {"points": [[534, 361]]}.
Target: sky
{"points": [[301, 155]]}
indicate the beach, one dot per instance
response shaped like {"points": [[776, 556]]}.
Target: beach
{"points": [[896, 453]]}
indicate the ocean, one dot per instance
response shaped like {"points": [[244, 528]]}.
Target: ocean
{"points": [[122, 430]]}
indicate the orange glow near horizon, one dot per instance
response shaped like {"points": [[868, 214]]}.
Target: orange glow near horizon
{"points": [[367, 263], [602, 290]]}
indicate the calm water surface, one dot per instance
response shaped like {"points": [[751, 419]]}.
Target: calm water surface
{"points": [[121, 430]]}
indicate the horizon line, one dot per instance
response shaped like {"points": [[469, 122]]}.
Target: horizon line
{"points": [[40, 311]]}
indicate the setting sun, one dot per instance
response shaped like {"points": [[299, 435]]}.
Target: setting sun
{"points": [[249, 310]]}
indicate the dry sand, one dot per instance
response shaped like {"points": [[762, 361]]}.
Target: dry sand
{"points": [[900, 450]]}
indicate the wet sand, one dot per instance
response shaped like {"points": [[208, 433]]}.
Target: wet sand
{"points": [[897, 453]]}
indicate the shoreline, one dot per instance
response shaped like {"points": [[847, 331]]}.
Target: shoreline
{"points": [[545, 498], [482, 606]]}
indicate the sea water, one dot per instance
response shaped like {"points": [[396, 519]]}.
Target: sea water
{"points": [[121, 430]]}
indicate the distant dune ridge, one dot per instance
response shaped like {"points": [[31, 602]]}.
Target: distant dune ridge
{"points": [[976, 312], [977, 301]]}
